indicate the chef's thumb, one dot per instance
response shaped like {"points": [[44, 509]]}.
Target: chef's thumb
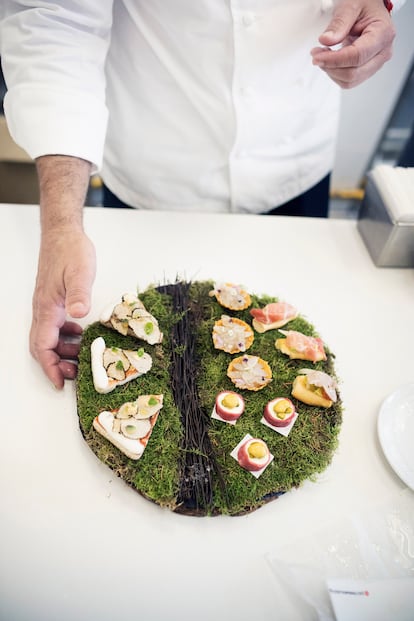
{"points": [[78, 299], [341, 24]]}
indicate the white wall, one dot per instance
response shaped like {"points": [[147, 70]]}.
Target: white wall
{"points": [[366, 109]]}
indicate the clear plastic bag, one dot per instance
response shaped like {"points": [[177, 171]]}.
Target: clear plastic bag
{"points": [[378, 544]]}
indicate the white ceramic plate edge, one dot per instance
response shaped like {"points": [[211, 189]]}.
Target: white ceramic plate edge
{"points": [[390, 441]]}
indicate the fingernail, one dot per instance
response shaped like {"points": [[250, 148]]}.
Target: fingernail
{"points": [[329, 33], [77, 309]]}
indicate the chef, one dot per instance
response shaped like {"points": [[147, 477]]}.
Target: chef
{"points": [[213, 105]]}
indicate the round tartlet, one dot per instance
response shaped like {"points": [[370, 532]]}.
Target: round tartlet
{"points": [[249, 372], [231, 296], [232, 335]]}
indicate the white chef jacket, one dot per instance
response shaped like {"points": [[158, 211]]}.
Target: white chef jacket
{"points": [[181, 104]]}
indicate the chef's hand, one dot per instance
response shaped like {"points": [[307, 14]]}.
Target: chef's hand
{"points": [[65, 276], [66, 268], [366, 33]]}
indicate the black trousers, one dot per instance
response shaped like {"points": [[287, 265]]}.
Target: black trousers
{"points": [[406, 158], [314, 203]]}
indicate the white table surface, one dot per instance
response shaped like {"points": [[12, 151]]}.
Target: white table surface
{"points": [[75, 541]]}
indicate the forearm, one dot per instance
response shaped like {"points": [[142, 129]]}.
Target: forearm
{"points": [[66, 267], [63, 183]]}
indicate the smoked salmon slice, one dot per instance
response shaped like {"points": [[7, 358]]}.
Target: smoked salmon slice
{"points": [[299, 346], [272, 316]]}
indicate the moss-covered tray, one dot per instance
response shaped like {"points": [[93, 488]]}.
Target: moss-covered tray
{"points": [[187, 466]]}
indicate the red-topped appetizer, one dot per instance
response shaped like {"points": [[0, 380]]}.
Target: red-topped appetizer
{"points": [[298, 346], [279, 412], [229, 405], [272, 316], [253, 455]]}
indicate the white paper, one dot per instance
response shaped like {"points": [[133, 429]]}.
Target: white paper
{"points": [[396, 186], [284, 431], [372, 600]]}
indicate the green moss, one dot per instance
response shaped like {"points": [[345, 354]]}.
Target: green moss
{"points": [[156, 474], [303, 454]]}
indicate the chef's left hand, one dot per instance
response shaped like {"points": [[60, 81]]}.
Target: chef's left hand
{"points": [[366, 33]]}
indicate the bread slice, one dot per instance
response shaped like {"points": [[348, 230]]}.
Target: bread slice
{"points": [[140, 416], [113, 366]]}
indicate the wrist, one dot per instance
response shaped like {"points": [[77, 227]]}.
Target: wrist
{"points": [[63, 184]]}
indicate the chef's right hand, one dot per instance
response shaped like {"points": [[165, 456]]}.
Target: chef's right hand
{"points": [[66, 271], [366, 34]]}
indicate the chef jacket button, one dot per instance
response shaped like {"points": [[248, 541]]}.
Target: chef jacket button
{"points": [[244, 92], [242, 154], [247, 20]]}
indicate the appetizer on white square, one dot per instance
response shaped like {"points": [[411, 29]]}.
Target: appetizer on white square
{"points": [[253, 455], [228, 407], [280, 415]]}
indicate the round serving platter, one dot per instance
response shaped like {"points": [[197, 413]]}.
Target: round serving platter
{"points": [[187, 465]]}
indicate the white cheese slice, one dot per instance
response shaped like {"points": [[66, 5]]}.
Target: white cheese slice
{"points": [[100, 378]]}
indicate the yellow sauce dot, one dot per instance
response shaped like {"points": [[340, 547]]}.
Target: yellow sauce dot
{"points": [[256, 450], [230, 401], [282, 408]]}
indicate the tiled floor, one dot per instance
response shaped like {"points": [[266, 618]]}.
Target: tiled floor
{"points": [[343, 209]]}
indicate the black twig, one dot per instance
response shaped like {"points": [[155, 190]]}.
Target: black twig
{"points": [[199, 464]]}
